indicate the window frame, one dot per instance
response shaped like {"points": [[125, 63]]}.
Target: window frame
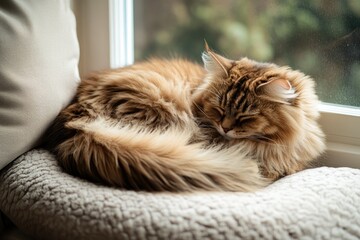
{"points": [[121, 29], [340, 123]]}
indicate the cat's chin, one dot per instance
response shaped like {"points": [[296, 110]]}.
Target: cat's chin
{"points": [[232, 136], [227, 137]]}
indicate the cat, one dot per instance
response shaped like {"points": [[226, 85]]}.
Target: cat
{"points": [[173, 125]]}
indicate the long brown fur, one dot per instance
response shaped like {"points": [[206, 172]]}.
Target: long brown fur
{"points": [[171, 125]]}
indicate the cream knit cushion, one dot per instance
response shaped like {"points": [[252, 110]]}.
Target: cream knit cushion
{"points": [[38, 70], [46, 203]]}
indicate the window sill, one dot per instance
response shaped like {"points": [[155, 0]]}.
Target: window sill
{"points": [[341, 126], [341, 155]]}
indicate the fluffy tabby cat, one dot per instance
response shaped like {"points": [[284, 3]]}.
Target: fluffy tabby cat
{"points": [[172, 125]]}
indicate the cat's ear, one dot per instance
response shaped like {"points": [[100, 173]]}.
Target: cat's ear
{"points": [[214, 63], [278, 90]]}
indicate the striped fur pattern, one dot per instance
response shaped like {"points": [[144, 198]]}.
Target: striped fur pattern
{"points": [[172, 125]]}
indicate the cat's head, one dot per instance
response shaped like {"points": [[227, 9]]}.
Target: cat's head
{"points": [[245, 99]]}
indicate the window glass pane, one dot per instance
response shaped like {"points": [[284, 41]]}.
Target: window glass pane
{"points": [[319, 37]]}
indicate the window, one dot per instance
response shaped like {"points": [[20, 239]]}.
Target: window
{"points": [[321, 38]]}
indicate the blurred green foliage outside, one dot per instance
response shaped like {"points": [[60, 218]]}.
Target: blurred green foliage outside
{"points": [[319, 37]]}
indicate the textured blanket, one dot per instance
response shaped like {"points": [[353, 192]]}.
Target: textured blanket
{"points": [[320, 203]]}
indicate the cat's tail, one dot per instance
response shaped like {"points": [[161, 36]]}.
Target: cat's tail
{"points": [[148, 160]]}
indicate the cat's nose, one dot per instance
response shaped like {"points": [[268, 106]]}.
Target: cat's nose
{"points": [[226, 124]]}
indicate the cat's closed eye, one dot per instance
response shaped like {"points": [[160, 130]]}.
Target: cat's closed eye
{"points": [[243, 118], [240, 121], [216, 114]]}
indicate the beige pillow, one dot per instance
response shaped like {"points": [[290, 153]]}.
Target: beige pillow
{"points": [[38, 70]]}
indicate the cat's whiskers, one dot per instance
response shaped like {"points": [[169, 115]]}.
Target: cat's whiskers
{"points": [[210, 91], [216, 90], [199, 108], [268, 140]]}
